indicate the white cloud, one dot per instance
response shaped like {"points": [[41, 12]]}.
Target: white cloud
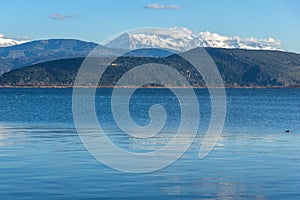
{"points": [[56, 16], [1, 35], [273, 41], [161, 7]]}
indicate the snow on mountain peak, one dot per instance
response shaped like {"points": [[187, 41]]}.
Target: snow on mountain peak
{"points": [[5, 42], [182, 39]]}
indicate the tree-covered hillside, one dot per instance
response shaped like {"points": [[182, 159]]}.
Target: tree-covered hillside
{"points": [[237, 67]]}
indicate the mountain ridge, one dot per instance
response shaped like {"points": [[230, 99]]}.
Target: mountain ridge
{"points": [[38, 51], [183, 39], [238, 68]]}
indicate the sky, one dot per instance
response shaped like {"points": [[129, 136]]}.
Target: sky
{"points": [[97, 20]]}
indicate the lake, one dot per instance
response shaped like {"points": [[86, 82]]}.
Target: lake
{"points": [[42, 156]]}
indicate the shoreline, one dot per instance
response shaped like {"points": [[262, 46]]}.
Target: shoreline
{"points": [[145, 87]]}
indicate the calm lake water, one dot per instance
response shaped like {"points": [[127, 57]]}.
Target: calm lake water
{"points": [[42, 157]]}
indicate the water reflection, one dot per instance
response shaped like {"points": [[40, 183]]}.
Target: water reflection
{"points": [[10, 135], [238, 167], [3, 135], [254, 159], [206, 188]]}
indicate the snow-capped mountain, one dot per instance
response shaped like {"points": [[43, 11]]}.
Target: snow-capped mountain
{"points": [[4, 42], [183, 39]]}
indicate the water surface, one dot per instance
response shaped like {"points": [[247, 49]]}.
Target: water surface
{"points": [[42, 157]]}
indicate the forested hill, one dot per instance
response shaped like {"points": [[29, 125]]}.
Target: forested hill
{"points": [[237, 67]]}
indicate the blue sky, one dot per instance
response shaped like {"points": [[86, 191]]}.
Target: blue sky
{"points": [[96, 20]]}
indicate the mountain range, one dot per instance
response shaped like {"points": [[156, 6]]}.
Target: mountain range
{"points": [[17, 54], [183, 39], [237, 59], [33, 52], [238, 68], [177, 39]]}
